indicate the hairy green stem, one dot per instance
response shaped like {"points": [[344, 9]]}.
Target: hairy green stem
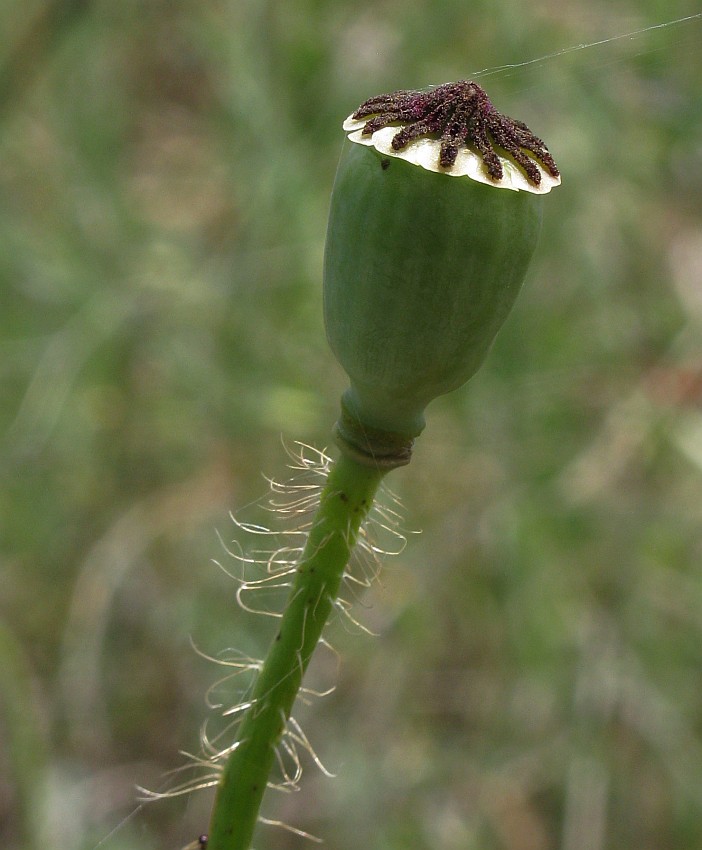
{"points": [[346, 500]]}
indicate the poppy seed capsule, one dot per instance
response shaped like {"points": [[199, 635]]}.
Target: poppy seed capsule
{"points": [[422, 266]]}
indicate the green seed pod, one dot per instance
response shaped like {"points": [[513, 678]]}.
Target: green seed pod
{"points": [[427, 247]]}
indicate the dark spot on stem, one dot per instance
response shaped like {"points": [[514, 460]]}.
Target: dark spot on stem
{"points": [[385, 164], [343, 497]]}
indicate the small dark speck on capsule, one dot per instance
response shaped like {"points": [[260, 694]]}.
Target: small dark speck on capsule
{"points": [[385, 164]]}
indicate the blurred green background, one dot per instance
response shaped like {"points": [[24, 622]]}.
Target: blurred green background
{"points": [[165, 170]]}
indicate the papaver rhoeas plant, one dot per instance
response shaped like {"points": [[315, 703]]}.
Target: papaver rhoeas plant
{"points": [[435, 215]]}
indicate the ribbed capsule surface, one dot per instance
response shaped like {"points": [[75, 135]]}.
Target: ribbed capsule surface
{"points": [[421, 270]]}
